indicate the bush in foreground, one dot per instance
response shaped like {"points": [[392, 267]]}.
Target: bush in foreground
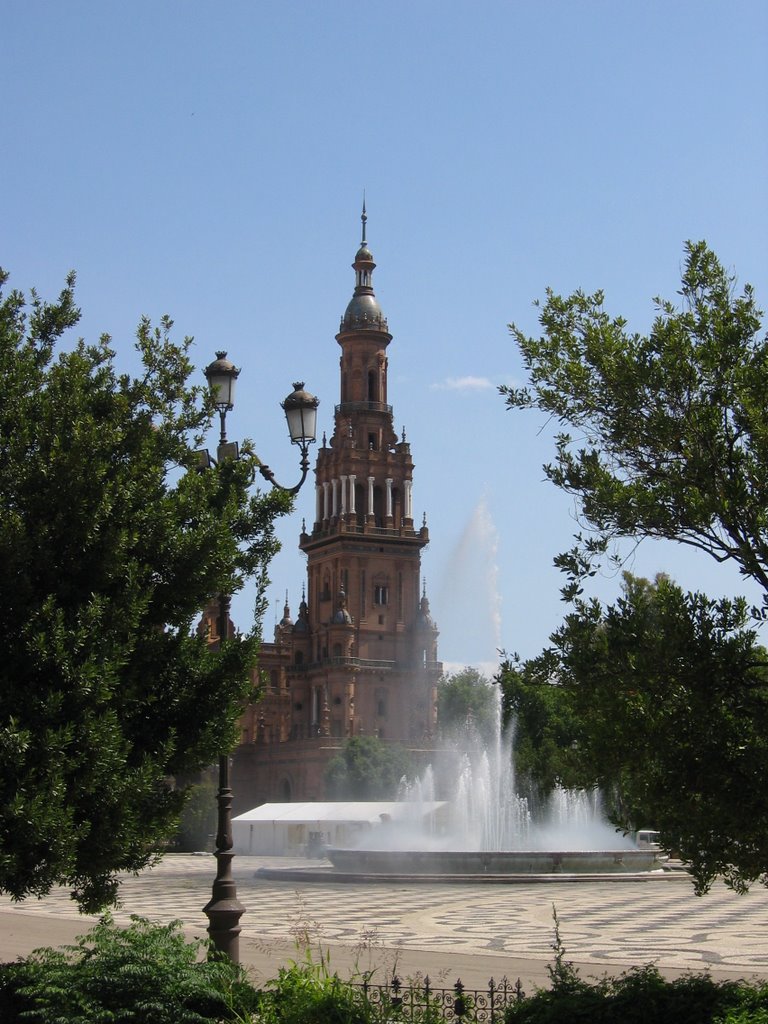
{"points": [[643, 996], [145, 973], [640, 996]]}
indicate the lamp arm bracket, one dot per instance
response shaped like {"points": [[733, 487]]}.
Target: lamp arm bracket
{"points": [[267, 473]]}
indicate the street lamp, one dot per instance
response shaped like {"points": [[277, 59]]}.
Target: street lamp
{"points": [[224, 910], [301, 413]]}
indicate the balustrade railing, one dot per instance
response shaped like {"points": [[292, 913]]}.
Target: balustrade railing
{"points": [[369, 663], [347, 407]]}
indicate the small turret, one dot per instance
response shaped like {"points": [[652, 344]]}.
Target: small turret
{"points": [[424, 619], [341, 616]]}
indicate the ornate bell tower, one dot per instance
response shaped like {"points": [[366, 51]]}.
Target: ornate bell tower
{"points": [[369, 626], [361, 657]]}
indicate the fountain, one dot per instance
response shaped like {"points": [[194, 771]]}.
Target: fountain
{"points": [[479, 825], [464, 818]]}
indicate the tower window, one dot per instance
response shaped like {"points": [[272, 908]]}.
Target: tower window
{"points": [[372, 442], [380, 594]]}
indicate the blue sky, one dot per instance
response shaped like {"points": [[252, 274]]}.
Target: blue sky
{"points": [[208, 160]]}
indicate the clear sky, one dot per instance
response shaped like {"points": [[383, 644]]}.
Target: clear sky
{"points": [[208, 160]]}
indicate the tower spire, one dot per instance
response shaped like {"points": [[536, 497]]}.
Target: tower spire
{"points": [[363, 312]]}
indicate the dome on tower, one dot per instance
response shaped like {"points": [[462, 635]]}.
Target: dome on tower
{"points": [[302, 622], [341, 616], [286, 620], [363, 312], [424, 619]]}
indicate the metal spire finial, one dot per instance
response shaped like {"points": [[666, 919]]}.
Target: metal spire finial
{"points": [[363, 218]]}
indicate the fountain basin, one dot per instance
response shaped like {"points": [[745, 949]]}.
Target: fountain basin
{"points": [[476, 862]]}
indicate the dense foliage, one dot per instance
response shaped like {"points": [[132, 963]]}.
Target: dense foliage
{"points": [[545, 725], [666, 435], [366, 768], [110, 544], [466, 704], [668, 696], [643, 996], [143, 974]]}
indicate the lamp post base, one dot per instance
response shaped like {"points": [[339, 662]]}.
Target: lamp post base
{"points": [[224, 909]]}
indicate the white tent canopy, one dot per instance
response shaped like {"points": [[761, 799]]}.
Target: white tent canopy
{"points": [[299, 828]]}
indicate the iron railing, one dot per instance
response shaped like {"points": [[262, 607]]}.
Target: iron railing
{"points": [[421, 1002]]}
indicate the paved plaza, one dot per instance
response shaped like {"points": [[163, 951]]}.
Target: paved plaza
{"points": [[473, 931]]}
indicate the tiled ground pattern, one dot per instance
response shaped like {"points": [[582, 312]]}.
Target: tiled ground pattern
{"points": [[606, 924]]}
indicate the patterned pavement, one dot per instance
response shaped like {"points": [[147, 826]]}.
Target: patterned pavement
{"points": [[608, 926]]}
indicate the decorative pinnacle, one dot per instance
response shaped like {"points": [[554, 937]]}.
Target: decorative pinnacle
{"points": [[363, 218]]}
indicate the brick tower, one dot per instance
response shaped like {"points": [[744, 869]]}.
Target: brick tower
{"points": [[361, 657]]}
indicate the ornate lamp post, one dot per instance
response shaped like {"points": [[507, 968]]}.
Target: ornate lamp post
{"points": [[224, 910]]}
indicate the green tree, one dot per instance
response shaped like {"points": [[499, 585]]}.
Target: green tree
{"points": [[546, 727], [366, 768], [670, 697], [466, 700], [665, 435], [110, 545]]}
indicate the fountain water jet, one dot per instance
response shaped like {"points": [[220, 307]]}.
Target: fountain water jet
{"points": [[484, 826]]}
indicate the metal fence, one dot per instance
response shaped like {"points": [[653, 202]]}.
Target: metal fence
{"points": [[427, 1005]]}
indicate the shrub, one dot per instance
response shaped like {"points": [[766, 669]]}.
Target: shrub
{"points": [[142, 974], [308, 993], [643, 996], [13, 977], [640, 996]]}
